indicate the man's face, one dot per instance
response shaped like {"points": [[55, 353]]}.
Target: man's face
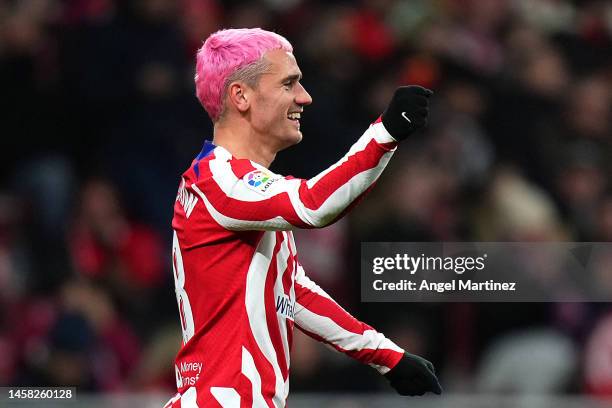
{"points": [[279, 99]]}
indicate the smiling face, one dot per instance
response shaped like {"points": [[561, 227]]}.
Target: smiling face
{"points": [[278, 100]]}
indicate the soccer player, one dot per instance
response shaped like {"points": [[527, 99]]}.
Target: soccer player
{"points": [[239, 284]]}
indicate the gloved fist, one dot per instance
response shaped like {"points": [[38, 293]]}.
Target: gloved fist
{"points": [[414, 375], [407, 112]]}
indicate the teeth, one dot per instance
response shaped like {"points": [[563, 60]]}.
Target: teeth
{"points": [[294, 116]]}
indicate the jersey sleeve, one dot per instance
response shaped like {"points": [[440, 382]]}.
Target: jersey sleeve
{"points": [[242, 195], [320, 317]]}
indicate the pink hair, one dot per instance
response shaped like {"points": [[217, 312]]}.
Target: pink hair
{"points": [[225, 53]]}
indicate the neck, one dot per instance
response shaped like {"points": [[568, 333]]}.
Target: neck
{"points": [[243, 143]]}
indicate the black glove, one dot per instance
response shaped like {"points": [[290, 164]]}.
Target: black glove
{"points": [[407, 112], [414, 375]]}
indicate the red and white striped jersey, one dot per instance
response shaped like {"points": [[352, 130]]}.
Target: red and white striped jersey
{"points": [[239, 285]]}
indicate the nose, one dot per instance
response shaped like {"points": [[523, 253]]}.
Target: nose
{"points": [[302, 97]]}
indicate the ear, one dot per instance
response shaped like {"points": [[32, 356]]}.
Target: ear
{"points": [[238, 94]]}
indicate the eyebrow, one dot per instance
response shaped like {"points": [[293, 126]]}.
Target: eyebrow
{"points": [[292, 78]]}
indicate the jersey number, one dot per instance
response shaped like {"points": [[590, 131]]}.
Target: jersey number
{"points": [[181, 295]]}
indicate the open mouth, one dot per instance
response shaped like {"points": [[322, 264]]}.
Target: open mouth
{"points": [[295, 117]]}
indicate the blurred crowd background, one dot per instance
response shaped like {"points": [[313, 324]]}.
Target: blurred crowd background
{"points": [[99, 119]]}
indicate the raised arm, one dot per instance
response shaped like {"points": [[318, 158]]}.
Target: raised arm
{"points": [[241, 195]]}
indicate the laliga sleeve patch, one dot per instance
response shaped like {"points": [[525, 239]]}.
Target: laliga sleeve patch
{"points": [[259, 181]]}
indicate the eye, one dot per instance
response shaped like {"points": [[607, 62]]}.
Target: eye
{"points": [[288, 85]]}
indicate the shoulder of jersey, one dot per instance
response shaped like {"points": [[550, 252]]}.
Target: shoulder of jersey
{"points": [[255, 177]]}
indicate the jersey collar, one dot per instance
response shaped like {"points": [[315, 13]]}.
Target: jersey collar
{"points": [[206, 150]]}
